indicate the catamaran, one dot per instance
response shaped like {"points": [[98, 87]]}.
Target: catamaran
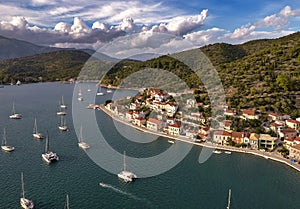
{"points": [[25, 203], [5, 147], [62, 126], [62, 104], [125, 175], [49, 156], [35, 133], [81, 143], [15, 115]]}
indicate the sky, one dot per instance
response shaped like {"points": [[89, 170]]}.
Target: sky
{"points": [[95, 23]]}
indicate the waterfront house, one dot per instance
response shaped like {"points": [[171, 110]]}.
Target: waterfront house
{"points": [[174, 129], [238, 137], [250, 114], [191, 133], [129, 115], [289, 142], [295, 152], [154, 124], [267, 141], [203, 132], [287, 133], [221, 137], [294, 124], [139, 121], [253, 140]]}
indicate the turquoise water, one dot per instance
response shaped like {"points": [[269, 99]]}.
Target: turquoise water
{"points": [[255, 182]]}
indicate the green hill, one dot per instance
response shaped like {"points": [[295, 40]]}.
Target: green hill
{"points": [[260, 73]]}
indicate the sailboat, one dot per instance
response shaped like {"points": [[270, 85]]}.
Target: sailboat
{"points": [[15, 115], [62, 104], [35, 133], [125, 175], [25, 203], [229, 197], [49, 156], [67, 205], [18, 83], [62, 126], [5, 147], [81, 143], [60, 112]]}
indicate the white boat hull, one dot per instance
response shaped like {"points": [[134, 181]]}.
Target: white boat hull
{"points": [[38, 136], [26, 204], [63, 128], [50, 157], [83, 145], [15, 116], [7, 148]]}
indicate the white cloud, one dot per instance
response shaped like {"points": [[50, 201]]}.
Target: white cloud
{"points": [[182, 25], [242, 31], [280, 20], [204, 37]]}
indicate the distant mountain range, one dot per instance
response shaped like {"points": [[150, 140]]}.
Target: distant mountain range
{"points": [[13, 48]]}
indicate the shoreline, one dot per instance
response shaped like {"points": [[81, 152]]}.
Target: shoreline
{"points": [[267, 155]]}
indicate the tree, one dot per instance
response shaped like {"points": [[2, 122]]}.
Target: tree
{"points": [[282, 81]]}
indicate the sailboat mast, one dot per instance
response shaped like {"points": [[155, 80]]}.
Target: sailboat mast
{"points": [[47, 143], [13, 108], [124, 162], [22, 181], [35, 126], [67, 202], [62, 100], [4, 137], [229, 197], [80, 134]]}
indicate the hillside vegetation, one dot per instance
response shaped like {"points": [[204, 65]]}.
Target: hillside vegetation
{"points": [[261, 73]]}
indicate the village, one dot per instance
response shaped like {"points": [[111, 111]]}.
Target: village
{"points": [[159, 112]]}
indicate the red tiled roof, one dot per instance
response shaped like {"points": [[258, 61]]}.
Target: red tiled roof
{"points": [[293, 121], [297, 138], [288, 139], [288, 130], [249, 112], [152, 120], [236, 134], [175, 125], [222, 133]]}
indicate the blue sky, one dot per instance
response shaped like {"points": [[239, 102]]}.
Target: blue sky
{"points": [[76, 23]]}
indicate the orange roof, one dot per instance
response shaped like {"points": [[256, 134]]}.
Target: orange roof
{"points": [[297, 138], [152, 120], [288, 139], [222, 133], [293, 121], [175, 125], [249, 112], [288, 130]]}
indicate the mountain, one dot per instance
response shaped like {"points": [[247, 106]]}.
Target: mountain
{"points": [[260, 73], [13, 48]]}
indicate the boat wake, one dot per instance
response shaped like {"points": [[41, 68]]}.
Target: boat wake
{"points": [[123, 192]]}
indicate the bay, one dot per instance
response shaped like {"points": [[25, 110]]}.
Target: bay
{"points": [[255, 182]]}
